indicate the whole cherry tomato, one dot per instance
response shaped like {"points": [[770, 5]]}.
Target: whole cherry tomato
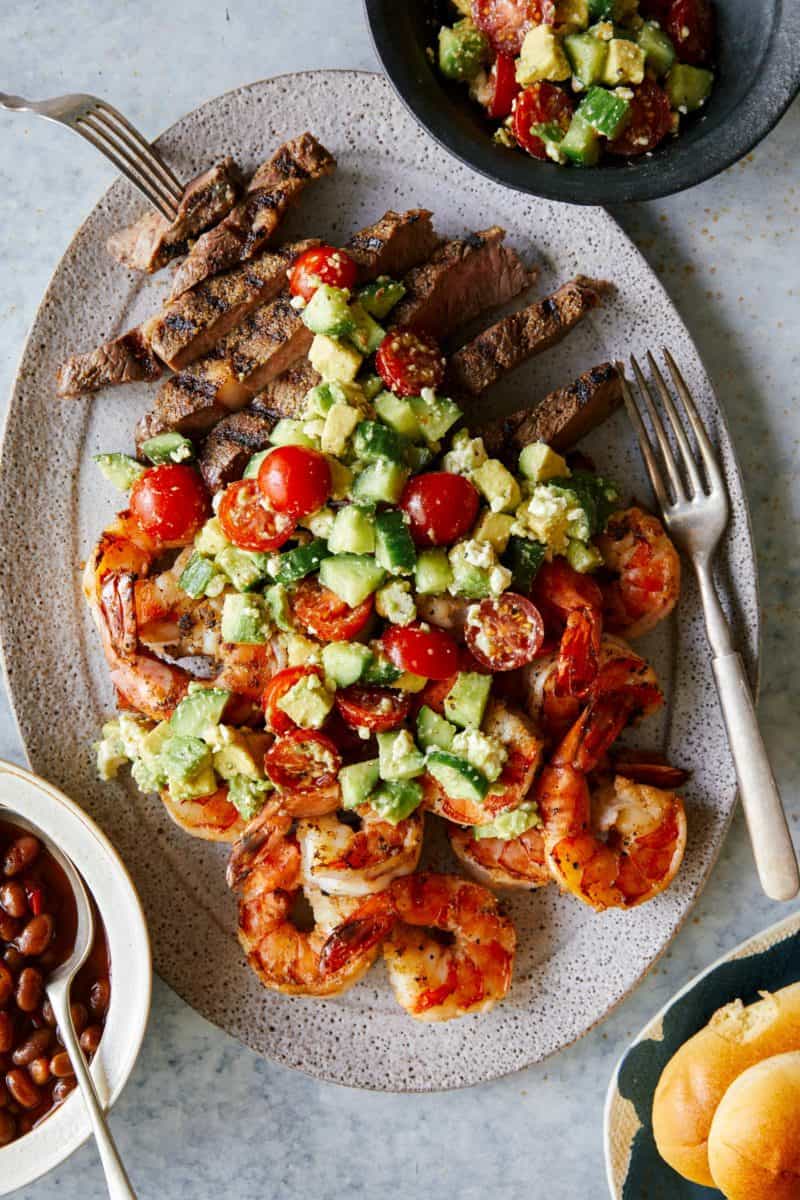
{"points": [[248, 522], [170, 503], [539, 104], [441, 507], [428, 652], [321, 264], [295, 480], [408, 361]]}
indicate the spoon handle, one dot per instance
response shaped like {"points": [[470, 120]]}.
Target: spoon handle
{"points": [[119, 1186]]}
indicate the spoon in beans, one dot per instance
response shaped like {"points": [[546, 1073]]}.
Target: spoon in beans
{"points": [[57, 987]]}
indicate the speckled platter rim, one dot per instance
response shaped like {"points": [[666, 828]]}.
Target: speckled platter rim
{"points": [[374, 1045], [131, 971], [620, 1122]]}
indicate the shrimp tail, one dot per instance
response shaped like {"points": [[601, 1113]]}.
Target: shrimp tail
{"points": [[371, 924], [578, 657]]}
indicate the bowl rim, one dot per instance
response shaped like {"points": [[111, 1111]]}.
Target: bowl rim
{"points": [[777, 84], [29, 1157]]}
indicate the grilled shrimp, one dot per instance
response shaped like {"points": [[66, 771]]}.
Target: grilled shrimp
{"points": [[211, 818], [265, 867], [617, 848], [346, 859], [524, 750], [465, 969], [519, 862], [646, 569], [571, 605]]}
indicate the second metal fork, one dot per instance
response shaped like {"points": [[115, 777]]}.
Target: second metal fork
{"points": [[114, 136], [694, 504]]}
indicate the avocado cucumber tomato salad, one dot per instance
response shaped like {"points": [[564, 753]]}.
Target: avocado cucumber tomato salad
{"points": [[573, 80], [370, 512]]}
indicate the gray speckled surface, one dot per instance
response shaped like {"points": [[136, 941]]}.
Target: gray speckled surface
{"points": [[201, 1110]]}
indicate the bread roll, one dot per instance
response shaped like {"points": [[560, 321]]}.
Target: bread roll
{"points": [[754, 1143], [698, 1075]]}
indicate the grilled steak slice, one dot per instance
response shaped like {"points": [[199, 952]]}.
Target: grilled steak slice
{"points": [[284, 396], [520, 336], [394, 243], [269, 341], [462, 279], [230, 444], [152, 241], [188, 327], [124, 359], [562, 418], [249, 225]]}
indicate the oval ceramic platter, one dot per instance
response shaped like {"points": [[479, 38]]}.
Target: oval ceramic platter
{"points": [[764, 963], [572, 966]]}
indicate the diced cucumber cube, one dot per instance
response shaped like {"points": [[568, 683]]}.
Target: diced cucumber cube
{"points": [[397, 414], [394, 546], [246, 569], [196, 576], [168, 448], [658, 48], [587, 54], [120, 469], [434, 730], [357, 781], [352, 577], [435, 414], [353, 532], [396, 800], [254, 464], [524, 557], [603, 111], [366, 334], [379, 298], [433, 573], [466, 701], [328, 312], [245, 619], [374, 440], [301, 561], [345, 662], [688, 87], [381, 481], [287, 432], [581, 143]]}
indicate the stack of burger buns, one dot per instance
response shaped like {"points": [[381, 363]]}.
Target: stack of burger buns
{"points": [[726, 1111]]}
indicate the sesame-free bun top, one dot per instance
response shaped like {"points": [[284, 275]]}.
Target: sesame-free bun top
{"points": [[754, 1142], [699, 1074]]}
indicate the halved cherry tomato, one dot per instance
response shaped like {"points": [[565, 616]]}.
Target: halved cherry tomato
{"points": [[170, 503], [503, 87], [295, 480], [649, 121], [324, 615], [375, 708], [428, 652], [441, 507], [322, 264], [505, 22], [277, 720], [539, 104], [408, 361], [504, 633], [248, 522], [691, 25], [302, 760]]}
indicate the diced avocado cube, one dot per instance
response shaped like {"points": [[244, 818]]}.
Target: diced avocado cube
{"points": [[199, 709], [372, 385], [234, 755], [380, 482], [583, 557], [168, 448], [379, 298], [197, 575], [345, 662], [466, 701], [625, 63], [542, 57], [248, 796], [538, 462], [120, 469], [328, 312], [408, 682], [334, 360], [688, 87], [184, 756], [433, 573], [245, 619], [462, 51], [498, 486], [341, 478], [509, 825], [211, 540], [149, 774], [374, 440], [397, 414], [658, 48], [494, 528], [277, 599], [301, 561], [307, 703], [398, 756], [357, 781], [287, 432], [588, 55], [394, 546], [339, 425], [604, 111], [353, 531], [395, 603], [524, 556], [109, 752], [300, 650], [366, 334], [246, 569], [435, 414], [131, 731], [352, 577], [396, 800], [434, 730]]}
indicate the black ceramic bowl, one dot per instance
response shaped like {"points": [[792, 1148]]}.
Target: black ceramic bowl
{"points": [[758, 74]]}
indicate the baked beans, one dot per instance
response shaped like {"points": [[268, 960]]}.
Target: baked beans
{"points": [[37, 931]]}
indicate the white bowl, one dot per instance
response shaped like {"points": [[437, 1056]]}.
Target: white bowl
{"points": [[43, 1148]]}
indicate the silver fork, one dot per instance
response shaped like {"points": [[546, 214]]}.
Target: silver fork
{"points": [[114, 136], [695, 511]]}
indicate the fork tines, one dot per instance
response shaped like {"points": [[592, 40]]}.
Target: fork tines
{"points": [[683, 482], [108, 131]]}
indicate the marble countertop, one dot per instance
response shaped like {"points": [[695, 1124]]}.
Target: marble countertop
{"points": [[202, 1116]]}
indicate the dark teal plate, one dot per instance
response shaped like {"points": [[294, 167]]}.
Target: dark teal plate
{"points": [[763, 963]]}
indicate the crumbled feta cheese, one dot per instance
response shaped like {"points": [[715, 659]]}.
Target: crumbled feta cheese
{"points": [[545, 516], [499, 580], [394, 602], [486, 753], [479, 554], [465, 454], [402, 745]]}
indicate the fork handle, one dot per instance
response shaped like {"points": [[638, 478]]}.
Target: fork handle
{"points": [[773, 851]]}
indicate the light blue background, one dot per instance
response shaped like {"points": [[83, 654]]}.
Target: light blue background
{"points": [[202, 1117]]}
